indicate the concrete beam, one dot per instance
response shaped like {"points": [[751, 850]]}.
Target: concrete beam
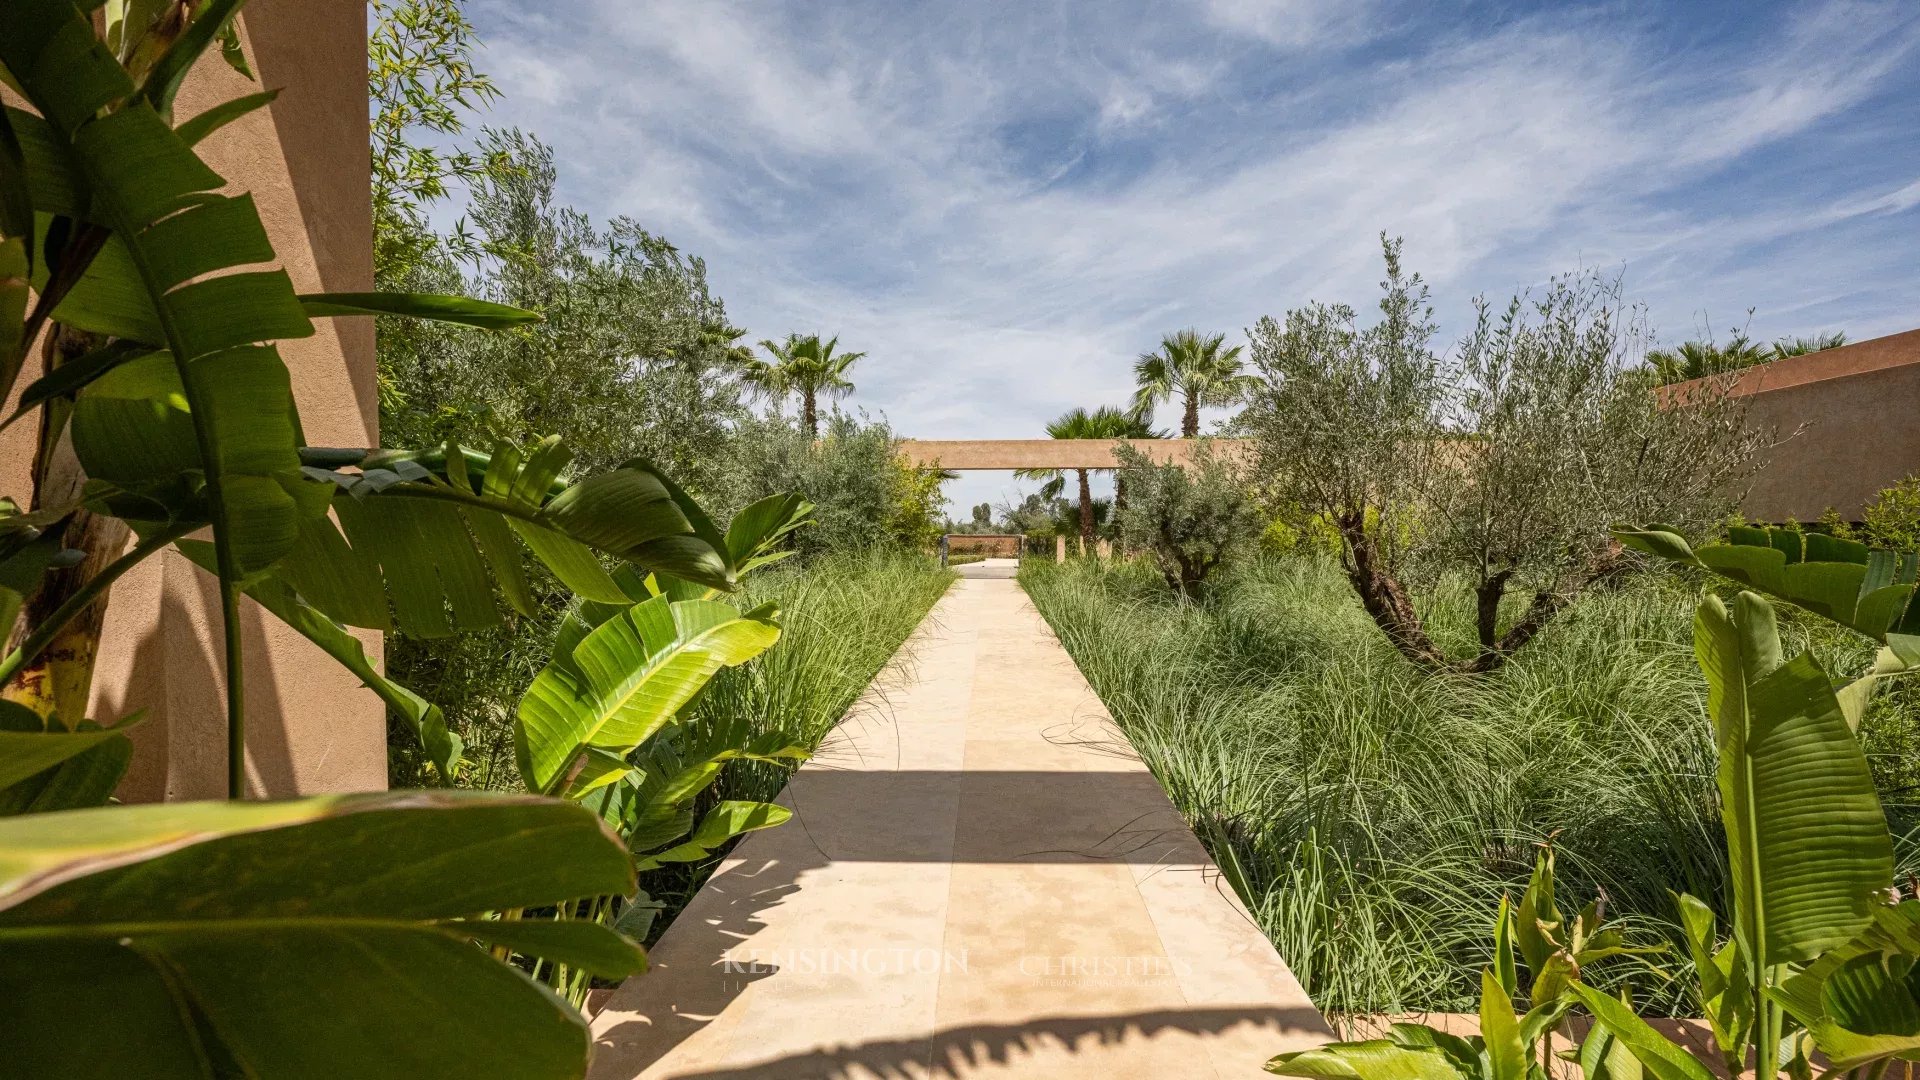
{"points": [[975, 454]]}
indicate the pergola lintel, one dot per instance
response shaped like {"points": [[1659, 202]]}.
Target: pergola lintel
{"points": [[980, 454]]}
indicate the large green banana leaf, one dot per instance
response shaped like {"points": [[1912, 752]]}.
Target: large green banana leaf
{"points": [[1373, 1059], [1407, 1053], [1861, 1001], [1864, 588], [88, 778], [648, 796], [1807, 838], [424, 718], [728, 819], [413, 549], [311, 938], [628, 678], [1659, 1055], [459, 310], [751, 542], [432, 530], [168, 272], [325, 565], [754, 531], [54, 766]]}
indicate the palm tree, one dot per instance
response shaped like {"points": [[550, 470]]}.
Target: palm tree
{"points": [[722, 338], [1699, 359], [1197, 368], [803, 365], [1104, 422], [1801, 346]]}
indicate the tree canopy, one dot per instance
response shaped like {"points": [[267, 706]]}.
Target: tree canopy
{"points": [[1197, 368], [805, 365]]}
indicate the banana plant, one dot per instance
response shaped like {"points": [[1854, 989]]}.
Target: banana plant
{"points": [[235, 938], [1868, 590], [155, 299], [633, 654], [1810, 857], [615, 683], [1817, 959], [623, 671], [610, 721], [1509, 1046], [318, 937]]}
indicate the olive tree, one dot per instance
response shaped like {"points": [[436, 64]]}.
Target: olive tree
{"points": [[1502, 462], [1188, 518]]}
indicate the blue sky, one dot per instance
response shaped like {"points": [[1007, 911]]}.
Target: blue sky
{"points": [[1004, 201]]}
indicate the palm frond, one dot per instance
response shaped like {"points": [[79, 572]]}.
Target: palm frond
{"points": [[801, 364]]}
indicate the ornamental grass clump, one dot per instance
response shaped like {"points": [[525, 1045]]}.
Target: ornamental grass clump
{"points": [[1373, 812]]}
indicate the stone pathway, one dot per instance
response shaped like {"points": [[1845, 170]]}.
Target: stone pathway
{"points": [[981, 880]]}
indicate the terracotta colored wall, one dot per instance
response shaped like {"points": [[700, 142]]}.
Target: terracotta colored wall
{"points": [[999, 546], [1848, 418], [312, 727]]}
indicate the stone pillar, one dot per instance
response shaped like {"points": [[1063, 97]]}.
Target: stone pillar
{"points": [[311, 726], [1059, 549]]}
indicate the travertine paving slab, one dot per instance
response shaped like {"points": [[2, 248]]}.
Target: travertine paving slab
{"points": [[981, 880]]}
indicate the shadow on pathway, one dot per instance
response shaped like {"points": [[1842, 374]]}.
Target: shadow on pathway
{"points": [[980, 880]]}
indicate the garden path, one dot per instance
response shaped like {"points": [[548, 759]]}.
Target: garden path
{"points": [[981, 880]]}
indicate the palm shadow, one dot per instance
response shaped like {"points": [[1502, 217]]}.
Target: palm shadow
{"points": [[962, 1051]]}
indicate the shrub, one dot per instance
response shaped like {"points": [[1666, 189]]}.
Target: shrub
{"points": [[1187, 518], [1832, 524], [1892, 519], [632, 355], [865, 495]]}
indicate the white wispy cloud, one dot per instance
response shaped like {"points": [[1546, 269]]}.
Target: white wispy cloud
{"points": [[1004, 203], [1297, 24]]}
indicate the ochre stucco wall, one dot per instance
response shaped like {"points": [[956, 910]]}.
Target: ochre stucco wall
{"points": [[1002, 546], [311, 726], [1047, 453], [1847, 419]]}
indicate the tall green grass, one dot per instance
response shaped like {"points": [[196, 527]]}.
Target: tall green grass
{"points": [[843, 617], [1375, 812]]}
